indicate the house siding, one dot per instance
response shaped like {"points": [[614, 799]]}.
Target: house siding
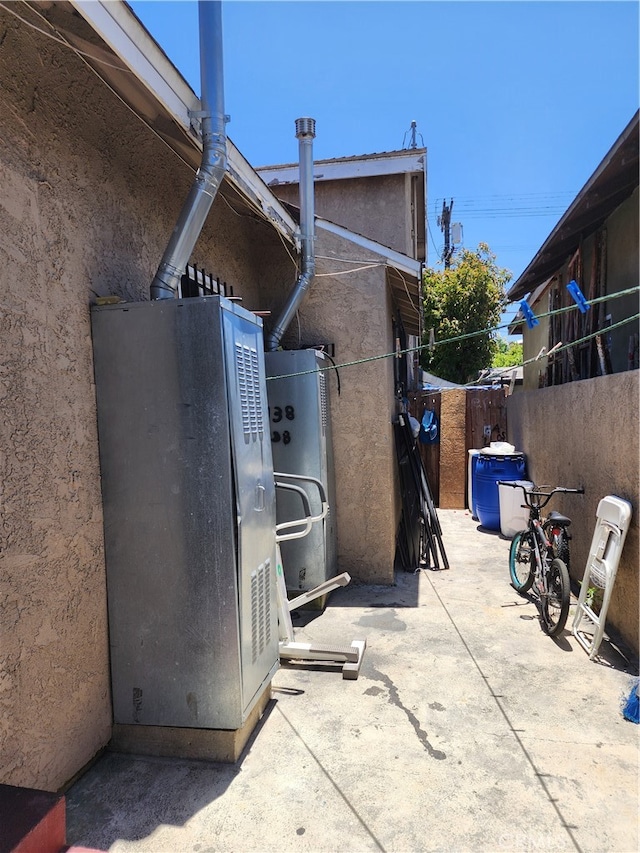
{"points": [[88, 200], [621, 245], [623, 228], [378, 207], [353, 313]]}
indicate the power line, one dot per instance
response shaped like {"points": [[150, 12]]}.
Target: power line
{"points": [[468, 335], [513, 206], [604, 330]]}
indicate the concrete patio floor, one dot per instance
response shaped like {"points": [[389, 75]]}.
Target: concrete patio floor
{"points": [[467, 730]]}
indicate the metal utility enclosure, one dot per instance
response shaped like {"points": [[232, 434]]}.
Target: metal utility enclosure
{"points": [[189, 510], [300, 427]]}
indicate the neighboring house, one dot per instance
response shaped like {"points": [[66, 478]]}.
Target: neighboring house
{"points": [[370, 229], [98, 146], [595, 243], [381, 196], [381, 200], [586, 432]]}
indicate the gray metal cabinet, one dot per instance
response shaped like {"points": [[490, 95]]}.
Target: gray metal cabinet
{"points": [[189, 510], [300, 428]]}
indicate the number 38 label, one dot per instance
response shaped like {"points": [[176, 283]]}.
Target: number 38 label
{"points": [[277, 416]]}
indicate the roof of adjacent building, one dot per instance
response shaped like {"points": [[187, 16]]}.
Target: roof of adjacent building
{"points": [[409, 160], [613, 182]]}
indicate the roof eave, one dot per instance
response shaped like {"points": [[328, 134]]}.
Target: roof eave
{"points": [[408, 271], [125, 36], [612, 182], [410, 161]]}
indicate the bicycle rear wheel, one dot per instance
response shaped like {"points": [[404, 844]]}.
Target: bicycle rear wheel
{"points": [[555, 604], [559, 539], [521, 561]]}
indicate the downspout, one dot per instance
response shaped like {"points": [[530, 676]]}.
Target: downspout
{"points": [[305, 133], [214, 155]]}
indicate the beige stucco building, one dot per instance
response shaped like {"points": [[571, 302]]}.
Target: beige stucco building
{"points": [[577, 418], [381, 196], [98, 147]]}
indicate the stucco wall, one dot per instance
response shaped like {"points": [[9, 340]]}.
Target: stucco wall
{"points": [[377, 207], [88, 200], [353, 313], [586, 433]]}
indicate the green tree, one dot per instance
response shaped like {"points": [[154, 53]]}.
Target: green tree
{"points": [[507, 353], [467, 297]]}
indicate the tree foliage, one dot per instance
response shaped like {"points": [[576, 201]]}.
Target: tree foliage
{"points": [[507, 354], [467, 297]]}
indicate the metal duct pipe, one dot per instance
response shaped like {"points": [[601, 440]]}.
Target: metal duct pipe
{"points": [[214, 155], [305, 133]]}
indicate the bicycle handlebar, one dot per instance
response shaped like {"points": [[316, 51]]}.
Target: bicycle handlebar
{"points": [[536, 492]]}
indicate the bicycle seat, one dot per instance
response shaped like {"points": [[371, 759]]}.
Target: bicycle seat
{"points": [[558, 518]]}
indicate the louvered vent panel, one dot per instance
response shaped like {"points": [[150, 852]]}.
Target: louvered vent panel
{"points": [[249, 386], [323, 402], [260, 610]]}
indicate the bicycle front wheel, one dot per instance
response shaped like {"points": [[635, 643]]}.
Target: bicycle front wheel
{"points": [[521, 561], [555, 603]]}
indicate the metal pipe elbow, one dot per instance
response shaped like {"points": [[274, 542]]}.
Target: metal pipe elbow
{"points": [[296, 297]]}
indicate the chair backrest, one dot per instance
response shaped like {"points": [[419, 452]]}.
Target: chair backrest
{"points": [[612, 523]]}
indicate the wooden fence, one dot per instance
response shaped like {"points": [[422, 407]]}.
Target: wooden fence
{"points": [[470, 418]]}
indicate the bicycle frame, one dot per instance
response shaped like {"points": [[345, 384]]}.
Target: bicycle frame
{"points": [[546, 573], [543, 555]]}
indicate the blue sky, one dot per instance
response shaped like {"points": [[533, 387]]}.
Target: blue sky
{"points": [[517, 102]]}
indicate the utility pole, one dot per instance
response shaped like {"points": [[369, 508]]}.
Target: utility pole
{"points": [[444, 222]]}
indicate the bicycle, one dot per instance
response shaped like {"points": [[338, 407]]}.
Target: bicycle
{"points": [[535, 557]]}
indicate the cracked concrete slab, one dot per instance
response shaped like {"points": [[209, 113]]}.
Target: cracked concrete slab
{"points": [[467, 730]]}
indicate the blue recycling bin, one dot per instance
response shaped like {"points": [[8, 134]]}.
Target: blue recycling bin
{"points": [[489, 469]]}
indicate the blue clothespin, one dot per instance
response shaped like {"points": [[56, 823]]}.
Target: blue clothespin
{"points": [[528, 314], [578, 296]]}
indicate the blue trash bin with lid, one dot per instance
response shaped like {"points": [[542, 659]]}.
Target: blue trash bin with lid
{"points": [[491, 467]]}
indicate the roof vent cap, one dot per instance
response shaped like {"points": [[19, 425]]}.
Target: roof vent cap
{"points": [[305, 127]]}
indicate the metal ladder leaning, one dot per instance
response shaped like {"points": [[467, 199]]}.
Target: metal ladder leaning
{"points": [[612, 522]]}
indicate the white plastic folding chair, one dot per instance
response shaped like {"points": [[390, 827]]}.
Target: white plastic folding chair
{"points": [[612, 522]]}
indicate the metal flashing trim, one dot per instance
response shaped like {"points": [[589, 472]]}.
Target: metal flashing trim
{"points": [[390, 257], [364, 166], [119, 28]]}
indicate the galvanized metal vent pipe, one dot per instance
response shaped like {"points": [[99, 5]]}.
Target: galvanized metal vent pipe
{"points": [[305, 133], [214, 155]]}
